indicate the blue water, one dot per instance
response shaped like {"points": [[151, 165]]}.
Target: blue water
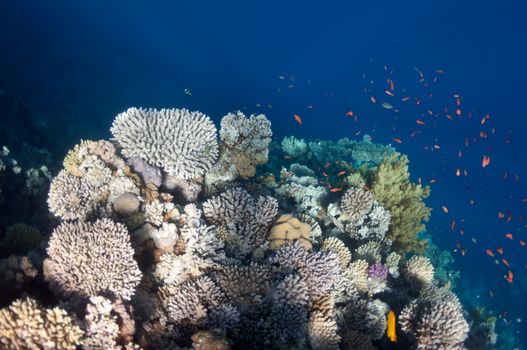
{"points": [[77, 64]]}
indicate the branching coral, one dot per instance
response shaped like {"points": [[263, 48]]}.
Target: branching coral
{"points": [[70, 197], [27, 325], [355, 204], [246, 218], [419, 270], [244, 144], [394, 191], [435, 325], [182, 142], [191, 300], [318, 270], [90, 259], [335, 245]]}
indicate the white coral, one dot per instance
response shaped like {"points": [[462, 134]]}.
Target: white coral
{"points": [[182, 142]]}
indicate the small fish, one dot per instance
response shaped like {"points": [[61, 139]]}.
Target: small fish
{"points": [[281, 77], [298, 119], [522, 243], [349, 113], [188, 92], [509, 236], [420, 122], [341, 173], [499, 250], [458, 172], [505, 262], [453, 225], [486, 161], [387, 105], [397, 140], [489, 253], [445, 209], [335, 189], [372, 99], [390, 327], [389, 93], [287, 157]]}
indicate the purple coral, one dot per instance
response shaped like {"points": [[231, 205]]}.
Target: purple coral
{"points": [[149, 173], [378, 271]]}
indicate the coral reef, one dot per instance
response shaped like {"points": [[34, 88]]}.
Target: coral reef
{"points": [[167, 239]]}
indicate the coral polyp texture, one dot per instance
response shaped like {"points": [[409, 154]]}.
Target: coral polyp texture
{"points": [[167, 239], [89, 259], [181, 142]]}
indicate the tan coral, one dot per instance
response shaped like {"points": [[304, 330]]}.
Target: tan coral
{"points": [[27, 325], [335, 245], [288, 228]]}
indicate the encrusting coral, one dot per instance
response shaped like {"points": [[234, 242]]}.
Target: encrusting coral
{"points": [[168, 239]]}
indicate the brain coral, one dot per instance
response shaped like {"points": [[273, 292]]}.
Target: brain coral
{"points": [[288, 228], [27, 325], [435, 325], [90, 259], [182, 142]]}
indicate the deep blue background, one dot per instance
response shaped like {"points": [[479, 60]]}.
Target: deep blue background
{"points": [[78, 63]]}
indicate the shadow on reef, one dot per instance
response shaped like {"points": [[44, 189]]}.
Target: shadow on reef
{"points": [[176, 236]]}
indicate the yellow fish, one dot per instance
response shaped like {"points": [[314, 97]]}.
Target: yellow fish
{"points": [[390, 327]]}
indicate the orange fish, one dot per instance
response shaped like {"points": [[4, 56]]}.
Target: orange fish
{"points": [[458, 172], [509, 236], [489, 253], [510, 276], [389, 93], [397, 140], [505, 262], [349, 114], [420, 122], [390, 327], [486, 161], [341, 173], [458, 112], [445, 209], [335, 189], [298, 119], [522, 243], [499, 250], [453, 225]]}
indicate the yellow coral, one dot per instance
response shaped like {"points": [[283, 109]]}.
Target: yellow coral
{"points": [[393, 189], [288, 228], [73, 160]]}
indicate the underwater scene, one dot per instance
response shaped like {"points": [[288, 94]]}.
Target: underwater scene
{"points": [[263, 175]]}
